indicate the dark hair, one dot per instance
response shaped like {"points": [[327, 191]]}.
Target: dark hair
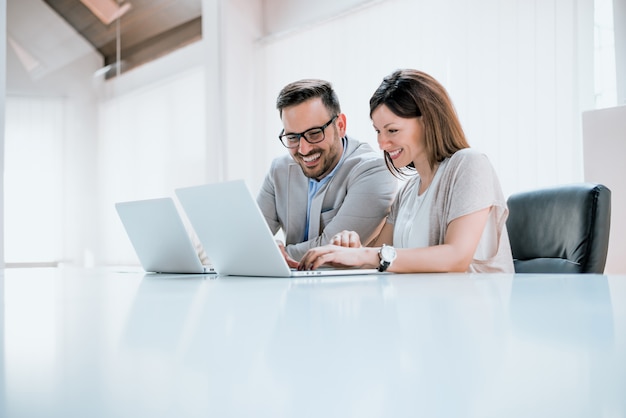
{"points": [[301, 91], [411, 93]]}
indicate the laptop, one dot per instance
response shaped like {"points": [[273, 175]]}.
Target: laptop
{"points": [[159, 237], [232, 229]]}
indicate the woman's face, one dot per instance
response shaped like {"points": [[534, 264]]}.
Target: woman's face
{"points": [[401, 138]]}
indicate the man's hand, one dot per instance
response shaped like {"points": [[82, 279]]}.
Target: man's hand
{"points": [[348, 239], [290, 261]]}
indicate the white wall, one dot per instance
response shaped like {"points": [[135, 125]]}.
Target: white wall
{"points": [[244, 92], [2, 96], [60, 64], [188, 118], [519, 71], [283, 16], [619, 19], [604, 132]]}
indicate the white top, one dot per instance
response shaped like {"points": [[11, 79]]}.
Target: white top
{"points": [[412, 225], [464, 183]]}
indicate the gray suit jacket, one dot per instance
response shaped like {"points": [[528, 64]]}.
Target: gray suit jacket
{"points": [[357, 198]]}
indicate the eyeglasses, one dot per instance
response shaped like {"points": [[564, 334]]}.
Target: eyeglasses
{"points": [[312, 136]]}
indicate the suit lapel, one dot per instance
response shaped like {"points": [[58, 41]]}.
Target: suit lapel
{"points": [[298, 187]]}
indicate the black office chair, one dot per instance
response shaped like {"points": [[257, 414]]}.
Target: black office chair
{"points": [[563, 229]]}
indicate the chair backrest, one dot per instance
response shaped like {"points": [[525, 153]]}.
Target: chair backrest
{"points": [[563, 229]]}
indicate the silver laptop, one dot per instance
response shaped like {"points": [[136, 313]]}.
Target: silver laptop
{"points": [[159, 237], [232, 229]]}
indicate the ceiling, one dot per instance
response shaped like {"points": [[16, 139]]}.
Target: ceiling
{"points": [[147, 30]]}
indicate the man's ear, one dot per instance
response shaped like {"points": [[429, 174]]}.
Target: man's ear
{"points": [[341, 124]]}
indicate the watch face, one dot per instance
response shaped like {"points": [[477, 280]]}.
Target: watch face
{"points": [[388, 253]]}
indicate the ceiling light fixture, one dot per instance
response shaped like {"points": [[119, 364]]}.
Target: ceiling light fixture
{"points": [[106, 10]]}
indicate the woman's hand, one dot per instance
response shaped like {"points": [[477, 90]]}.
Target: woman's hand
{"points": [[346, 239], [337, 256]]}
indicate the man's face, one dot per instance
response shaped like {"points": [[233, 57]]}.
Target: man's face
{"points": [[316, 160]]}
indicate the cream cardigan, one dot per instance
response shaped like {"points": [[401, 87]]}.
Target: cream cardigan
{"points": [[468, 184]]}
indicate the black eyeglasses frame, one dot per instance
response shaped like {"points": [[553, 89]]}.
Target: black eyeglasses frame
{"points": [[282, 137]]}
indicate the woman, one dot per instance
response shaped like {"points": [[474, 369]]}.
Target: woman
{"points": [[450, 214]]}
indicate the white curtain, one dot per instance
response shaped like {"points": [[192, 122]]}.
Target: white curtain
{"points": [[516, 70], [34, 169]]}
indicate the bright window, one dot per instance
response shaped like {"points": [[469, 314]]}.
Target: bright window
{"points": [[33, 189], [604, 60]]}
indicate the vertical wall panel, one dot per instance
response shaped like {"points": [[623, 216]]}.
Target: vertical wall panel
{"points": [[508, 78], [547, 154], [567, 109], [619, 17], [3, 67]]}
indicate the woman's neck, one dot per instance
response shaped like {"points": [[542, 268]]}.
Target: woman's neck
{"points": [[427, 175]]}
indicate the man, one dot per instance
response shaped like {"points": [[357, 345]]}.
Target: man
{"points": [[329, 182]]}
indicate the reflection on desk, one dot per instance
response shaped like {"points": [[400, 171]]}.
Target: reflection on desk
{"points": [[103, 343]]}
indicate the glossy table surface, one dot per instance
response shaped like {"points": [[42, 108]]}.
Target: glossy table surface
{"points": [[121, 343]]}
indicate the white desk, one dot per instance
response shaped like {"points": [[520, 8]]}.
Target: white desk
{"points": [[99, 343]]}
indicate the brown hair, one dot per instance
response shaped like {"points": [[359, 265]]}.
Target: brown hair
{"points": [[411, 93], [301, 91]]}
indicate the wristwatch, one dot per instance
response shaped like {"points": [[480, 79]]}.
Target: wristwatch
{"points": [[386, 254]]}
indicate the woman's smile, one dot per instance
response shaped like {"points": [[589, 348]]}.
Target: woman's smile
{"points": [[395, 153]]}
